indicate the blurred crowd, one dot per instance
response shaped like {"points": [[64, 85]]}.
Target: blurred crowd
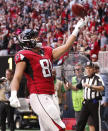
{"points": [[56, 22]]}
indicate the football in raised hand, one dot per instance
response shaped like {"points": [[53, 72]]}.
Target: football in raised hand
{"points": [[79, 10]]}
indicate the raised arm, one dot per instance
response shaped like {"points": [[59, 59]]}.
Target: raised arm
{"points": [[57, 52]]}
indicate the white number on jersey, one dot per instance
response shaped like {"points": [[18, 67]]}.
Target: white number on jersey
{"points": [[46, 67]]}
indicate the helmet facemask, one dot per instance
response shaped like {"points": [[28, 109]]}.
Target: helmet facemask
{"points": [[28, 39]]}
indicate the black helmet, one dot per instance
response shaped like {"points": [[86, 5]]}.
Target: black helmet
{"points": [[26, 39]]}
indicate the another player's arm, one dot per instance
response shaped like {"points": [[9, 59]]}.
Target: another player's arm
{"points": [[20, 67]]}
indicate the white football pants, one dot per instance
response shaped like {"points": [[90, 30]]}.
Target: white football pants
{"points": [[49, 116]]}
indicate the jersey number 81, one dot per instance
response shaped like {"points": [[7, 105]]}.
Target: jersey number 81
{"points": [[46, 67]]}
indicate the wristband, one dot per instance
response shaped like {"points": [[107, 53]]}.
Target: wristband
{"points": [[75, 32], [13, 93]]}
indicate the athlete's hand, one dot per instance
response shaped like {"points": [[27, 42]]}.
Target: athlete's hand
{"points": [[81, 23], [86, 19], [14, 102]]}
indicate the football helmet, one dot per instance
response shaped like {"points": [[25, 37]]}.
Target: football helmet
{"points": [[28, 39]]}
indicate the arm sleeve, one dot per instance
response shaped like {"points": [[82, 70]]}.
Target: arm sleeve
{"points": [[19, 57]]}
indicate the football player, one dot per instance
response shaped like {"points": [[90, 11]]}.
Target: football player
{"points": [[35, 62]]}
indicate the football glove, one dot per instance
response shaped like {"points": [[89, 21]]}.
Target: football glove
{"points": [[14, 102], [81, 23]]}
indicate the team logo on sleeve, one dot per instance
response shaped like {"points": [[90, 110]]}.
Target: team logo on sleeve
{"points": [[19, 57]]}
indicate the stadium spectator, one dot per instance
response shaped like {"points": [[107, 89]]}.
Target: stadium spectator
{"points": [[85, 49], [95, 46], [4, 41], [94, 58], [6, 111], [104, 41]]}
